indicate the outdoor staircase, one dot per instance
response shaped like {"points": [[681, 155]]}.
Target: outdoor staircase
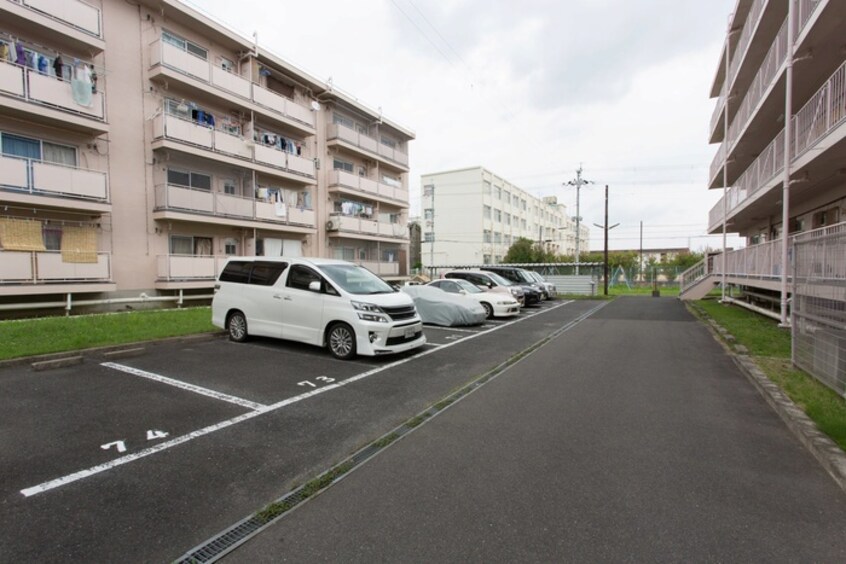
{"points": [[698, 280]]}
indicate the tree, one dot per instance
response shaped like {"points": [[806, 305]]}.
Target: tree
{"points": [[525, 250]]}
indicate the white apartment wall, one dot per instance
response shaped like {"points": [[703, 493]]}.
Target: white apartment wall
{"points": [[460, 222]]}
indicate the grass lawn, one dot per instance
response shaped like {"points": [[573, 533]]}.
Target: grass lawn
{"points": [[769, 346], [27, 337]]}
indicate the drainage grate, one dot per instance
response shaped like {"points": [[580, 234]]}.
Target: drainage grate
{"points": [[236, 535]]}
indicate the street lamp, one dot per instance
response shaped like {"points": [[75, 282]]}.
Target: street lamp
{"points": [[606, 228]]}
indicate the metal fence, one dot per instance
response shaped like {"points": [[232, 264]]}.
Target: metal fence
{"points": [[819, 305]]}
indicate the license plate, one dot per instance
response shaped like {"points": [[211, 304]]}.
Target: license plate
{"points": [[410, 332]]}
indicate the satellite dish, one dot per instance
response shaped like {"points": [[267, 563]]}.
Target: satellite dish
{"points": [[315, 105]]}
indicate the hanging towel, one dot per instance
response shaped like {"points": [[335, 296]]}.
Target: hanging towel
{"points": [[42, 64], [58, 66], [81, 92], [4, 51], [21, 54]]}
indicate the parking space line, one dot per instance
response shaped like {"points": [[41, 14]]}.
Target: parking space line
{"points": [[185, 386], [259, 410], [453, 329]]}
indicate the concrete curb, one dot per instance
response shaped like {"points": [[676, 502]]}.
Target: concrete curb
{"points": [[825, 450]]}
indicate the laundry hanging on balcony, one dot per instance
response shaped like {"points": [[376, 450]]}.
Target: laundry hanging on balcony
{"points": [[81, 84]]}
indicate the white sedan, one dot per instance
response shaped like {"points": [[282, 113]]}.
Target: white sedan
{"points": [[496, 304]]}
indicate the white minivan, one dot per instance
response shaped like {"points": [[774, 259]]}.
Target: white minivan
{"points": [[322, 302]]}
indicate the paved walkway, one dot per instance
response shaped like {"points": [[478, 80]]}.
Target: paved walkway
{"points": [[631, 437]]}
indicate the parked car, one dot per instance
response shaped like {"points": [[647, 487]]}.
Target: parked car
{"points": [[437, 307], [490, 281], [496, 304], [323, 302], [534, 293], [549, 286]]}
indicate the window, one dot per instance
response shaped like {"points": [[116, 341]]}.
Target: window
{"points": [[486, 259], [230, 247], [486, 212], [301, 276], [338, 164], [428, 213], [486, 188], [486, 236], [229, 186], [498, 192], [184, 44], [25, 147], [497, 238], [429, 237], [507, 197], [343, 120], [196, 180], [498, 259], [187, 245], [497, 216], [507, 240], [507, 219], [52, 238], [392, 181], [388, 142]]}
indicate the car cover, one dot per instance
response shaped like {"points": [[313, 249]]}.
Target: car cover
{"points": [[437, 307]]}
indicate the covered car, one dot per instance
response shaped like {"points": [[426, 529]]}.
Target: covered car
{"points": [[437, 307]]}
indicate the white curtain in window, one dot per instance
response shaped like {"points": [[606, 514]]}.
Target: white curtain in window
{"points": [[59, 154], [292, 248], [273, 247]]}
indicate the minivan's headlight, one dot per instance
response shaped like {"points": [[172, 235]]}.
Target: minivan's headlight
{"points": [[370, 312]]}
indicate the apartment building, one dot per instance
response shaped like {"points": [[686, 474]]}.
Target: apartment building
{"points": [[143, 142], [779, 121], [472, 216]]}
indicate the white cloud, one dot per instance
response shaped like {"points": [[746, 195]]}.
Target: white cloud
{"points": [[529, 90]]}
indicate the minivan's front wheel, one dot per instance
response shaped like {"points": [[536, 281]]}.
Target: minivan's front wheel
{"points": [[341, 340], [237, 327]]}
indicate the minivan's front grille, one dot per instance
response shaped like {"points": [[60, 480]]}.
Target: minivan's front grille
{"points": [[401, 312], [400, 340]]}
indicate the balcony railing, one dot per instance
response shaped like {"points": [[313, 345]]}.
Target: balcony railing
{"points": [[804, 10], [192, 200], [762, 82], [48, 91], [821, 114], [745, 38], [273, 104], [48, 266], [188, 267], [192, 133], [366, 143], [75, 13], [824, 111], [352, 224], [368, 186], [43, 178], [721, 101], [380, 267]]}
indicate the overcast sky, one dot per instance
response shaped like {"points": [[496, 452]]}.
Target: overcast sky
{"points": [[530, 90]]}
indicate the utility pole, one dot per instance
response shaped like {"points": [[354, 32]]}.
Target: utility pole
{"points": [[606, 228], [640, 262], [577, 182], [429, 190]]}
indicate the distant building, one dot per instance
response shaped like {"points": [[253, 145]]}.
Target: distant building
{"points": [[473, 216]]}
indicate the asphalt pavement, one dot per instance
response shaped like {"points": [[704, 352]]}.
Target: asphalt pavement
{"points": [[632, 436]]}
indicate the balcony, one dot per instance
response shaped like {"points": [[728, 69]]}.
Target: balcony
{"points": [[366, 145], [38, 178], [381, 268], [357, 185], [172, 268], [227, 145], [821, 116], [48, 267], [75, 20], [231, 86], [228, 207], [46, 99], [342, 225], [745, 39]]}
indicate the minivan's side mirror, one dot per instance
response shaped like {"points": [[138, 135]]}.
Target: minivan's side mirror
{"points": [[314, 285]]}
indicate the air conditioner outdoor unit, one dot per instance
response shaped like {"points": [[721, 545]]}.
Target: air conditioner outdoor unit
{"points": [[333, 224]]}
